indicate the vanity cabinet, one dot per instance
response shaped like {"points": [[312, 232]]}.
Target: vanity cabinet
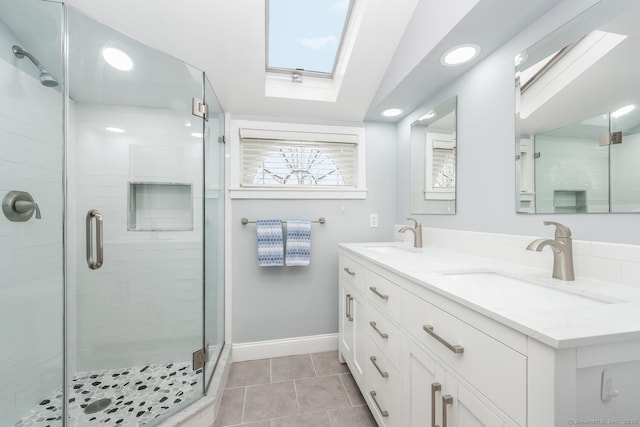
{"points": [[427, 350], [419, 365]]}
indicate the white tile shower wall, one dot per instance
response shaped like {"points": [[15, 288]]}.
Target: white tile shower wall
{"points": [[611, 262], [571, 164], [31, 288], [625, 174], [145, 304]]}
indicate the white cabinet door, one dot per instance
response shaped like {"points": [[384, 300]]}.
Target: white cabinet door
{"points": [[346, 321], [352, 331], [360, 334], [467, 410], [433, 397], [423, 387]]}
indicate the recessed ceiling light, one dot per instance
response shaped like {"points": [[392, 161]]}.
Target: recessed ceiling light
{"points": [[623, 110], [392, 112], [460, 54], [117, 59], [114, 130], [196, 135]]}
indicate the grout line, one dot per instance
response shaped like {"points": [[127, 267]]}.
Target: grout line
{"points": [[270, 370], [329, 416], [345, 390], [295, 390], [244, 404], [315, 371]]}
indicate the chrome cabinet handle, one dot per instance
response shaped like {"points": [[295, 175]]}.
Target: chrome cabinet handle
{"points": [[446, 400], [375, 291], [383, 335], [383, 374], [435, 387], [458, 349], [352, 273], [96, 263], [349, 298], [382, 411]]}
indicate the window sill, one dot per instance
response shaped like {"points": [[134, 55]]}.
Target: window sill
{"points": [[296, 193]]}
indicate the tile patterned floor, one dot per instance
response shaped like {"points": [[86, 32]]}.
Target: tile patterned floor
{"points": [[310, 390], [138, 396]]}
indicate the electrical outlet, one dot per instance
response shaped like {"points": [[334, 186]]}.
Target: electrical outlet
{"points": [[373, 220]]}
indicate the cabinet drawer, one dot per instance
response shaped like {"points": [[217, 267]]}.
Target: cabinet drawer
{"points": [[385, 334], [385, 295], [495, 369], [352, 271], [383, 387]]}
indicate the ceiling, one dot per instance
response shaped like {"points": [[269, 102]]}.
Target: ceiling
{"points": [[394, 61]]}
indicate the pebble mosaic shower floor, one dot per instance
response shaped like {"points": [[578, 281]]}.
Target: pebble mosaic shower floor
{"points": [[138, 396]]}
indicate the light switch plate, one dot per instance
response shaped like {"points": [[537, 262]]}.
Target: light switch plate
{"points": [[373, 220]]}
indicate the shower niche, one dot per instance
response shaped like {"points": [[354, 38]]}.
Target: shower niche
{"points": [[160, 207]]}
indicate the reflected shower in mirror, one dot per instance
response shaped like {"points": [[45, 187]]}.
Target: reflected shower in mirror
{"points": [[578, 115], [433, 161]]}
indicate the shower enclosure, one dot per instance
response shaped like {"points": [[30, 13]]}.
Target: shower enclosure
{"points": [[111, 176]]}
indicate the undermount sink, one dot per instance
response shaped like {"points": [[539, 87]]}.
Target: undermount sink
{"points": [[388, 249], [546, 295]]}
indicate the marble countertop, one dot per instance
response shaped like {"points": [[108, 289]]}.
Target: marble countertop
{"points": [[558, 313]]}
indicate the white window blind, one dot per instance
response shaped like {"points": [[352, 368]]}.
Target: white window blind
{"points": [[444, 167], [273, 158]]}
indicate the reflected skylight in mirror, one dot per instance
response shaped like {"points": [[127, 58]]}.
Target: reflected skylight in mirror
{"points": [[305, 34]]}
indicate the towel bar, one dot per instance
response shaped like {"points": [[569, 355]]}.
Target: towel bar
{"points": [[320, 220]]}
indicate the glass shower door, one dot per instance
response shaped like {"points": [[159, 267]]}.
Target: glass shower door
{"points": [[214, 231], [135, 229], [31, 193]]}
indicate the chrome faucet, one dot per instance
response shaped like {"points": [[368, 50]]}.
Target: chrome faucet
{"points": [[562, 251], [417, 232]]}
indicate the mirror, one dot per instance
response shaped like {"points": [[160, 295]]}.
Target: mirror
{"points": [[433, 161], [578, 115]]}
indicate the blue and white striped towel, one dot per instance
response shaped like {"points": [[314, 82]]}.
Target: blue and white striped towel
{"points": [[270, 242], [298, 251]]}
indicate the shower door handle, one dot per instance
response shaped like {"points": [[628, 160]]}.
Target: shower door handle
{"points": [[96, 263]]}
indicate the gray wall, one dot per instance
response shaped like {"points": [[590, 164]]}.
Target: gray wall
{"points": [[282, 302], [486, 169]]}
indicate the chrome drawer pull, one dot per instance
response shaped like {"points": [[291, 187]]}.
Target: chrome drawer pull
{"points": [[352, 273], [382, 412], [434, 388], [382, 373], [458, 349], [446, 400], [348, 307], [375, 291], [383, 335]]}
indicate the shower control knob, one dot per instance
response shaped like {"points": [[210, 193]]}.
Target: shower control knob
{"points": [[18, 206]]}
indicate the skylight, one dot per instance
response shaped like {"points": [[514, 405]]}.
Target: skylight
{"points": [[305, 34]]}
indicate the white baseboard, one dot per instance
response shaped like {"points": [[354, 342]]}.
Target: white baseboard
{"points": [[284, 347]]}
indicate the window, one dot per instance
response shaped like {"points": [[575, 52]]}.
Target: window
{"points": [[305, 35], [440, 166], [277, 160]]}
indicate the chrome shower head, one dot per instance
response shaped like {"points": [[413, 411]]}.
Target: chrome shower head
{"points": [[46, 79]]}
